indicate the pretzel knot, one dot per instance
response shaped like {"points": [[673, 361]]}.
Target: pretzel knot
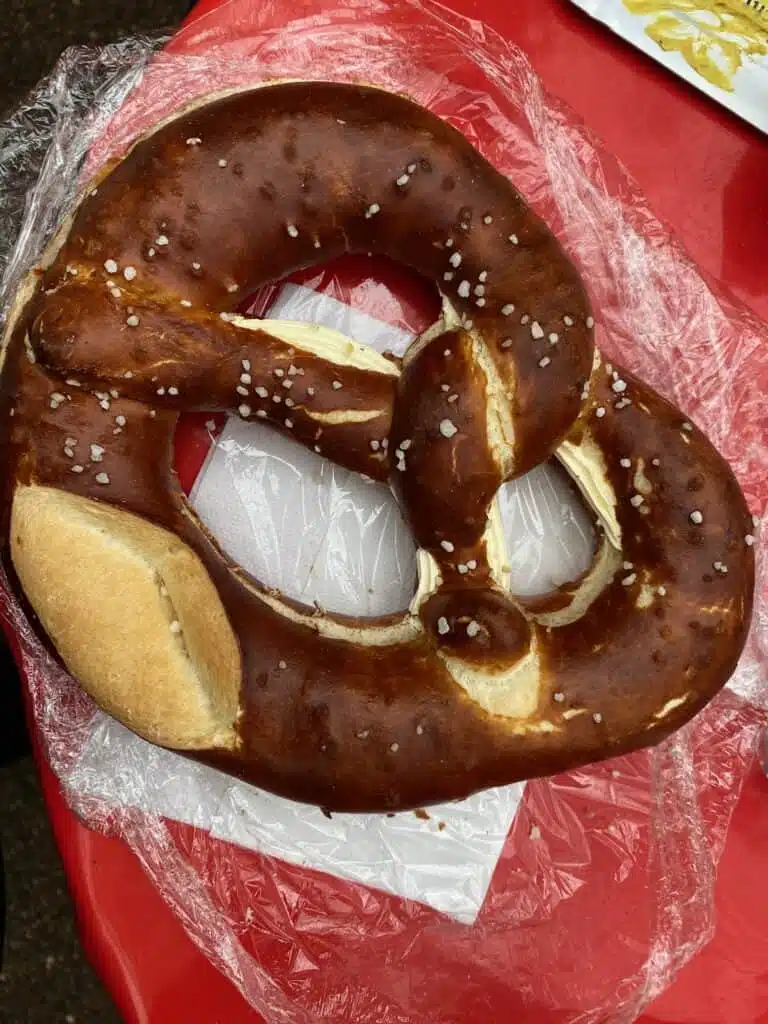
{"points": [[130, 320]]}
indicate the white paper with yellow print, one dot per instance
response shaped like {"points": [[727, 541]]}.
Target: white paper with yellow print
{"points": [[720, 46]]}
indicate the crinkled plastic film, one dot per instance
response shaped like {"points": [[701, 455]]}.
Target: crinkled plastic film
{"points": [[603, 887]]}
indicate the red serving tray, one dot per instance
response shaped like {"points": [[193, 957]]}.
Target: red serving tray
{"points": [[704, 172]]}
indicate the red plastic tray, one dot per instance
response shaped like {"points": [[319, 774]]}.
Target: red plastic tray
{"points": [[705, 173]]}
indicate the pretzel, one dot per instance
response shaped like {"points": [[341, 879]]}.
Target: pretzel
{"points": [[130, 320]]}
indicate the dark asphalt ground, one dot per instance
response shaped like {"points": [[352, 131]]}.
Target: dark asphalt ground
{"points": [[44, 978]]}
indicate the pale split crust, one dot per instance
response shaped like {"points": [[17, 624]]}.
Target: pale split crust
{"points": [[134, 615]]}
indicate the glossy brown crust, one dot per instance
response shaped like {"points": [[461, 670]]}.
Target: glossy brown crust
{"points": [[346, 725], [314, 159]]}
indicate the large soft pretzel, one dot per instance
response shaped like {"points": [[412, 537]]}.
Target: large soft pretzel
{"points": [[128, 322]]}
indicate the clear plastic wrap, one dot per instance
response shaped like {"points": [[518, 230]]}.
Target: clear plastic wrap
{"points": [[576, 900]]}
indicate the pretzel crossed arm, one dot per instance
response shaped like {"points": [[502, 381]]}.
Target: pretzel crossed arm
{"points": [[132, 323]]}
